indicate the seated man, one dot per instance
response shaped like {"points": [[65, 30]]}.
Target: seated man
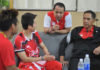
{"points": [[27, 45], [86, 40], [57, 21]]}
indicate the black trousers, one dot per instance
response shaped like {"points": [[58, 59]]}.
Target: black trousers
{"points": [[94, 64]]}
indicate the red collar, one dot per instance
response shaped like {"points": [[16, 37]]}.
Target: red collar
{"points": [[84, 29], [84, 34]]}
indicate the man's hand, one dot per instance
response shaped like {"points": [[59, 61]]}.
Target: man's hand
{"points": [[56, 27], [64, 62], [97, 51], [51, 31], [49, 57]]}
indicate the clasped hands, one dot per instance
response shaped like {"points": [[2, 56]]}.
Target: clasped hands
{"points": [[49, 57], [54, 29]]}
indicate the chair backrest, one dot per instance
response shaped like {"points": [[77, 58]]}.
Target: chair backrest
{"points": [[52, 42]]}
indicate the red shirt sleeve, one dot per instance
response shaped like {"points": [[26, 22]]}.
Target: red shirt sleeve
{"points": [[8, 56], [18, 44], [37, 34]]}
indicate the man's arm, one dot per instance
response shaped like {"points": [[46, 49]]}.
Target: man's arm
{"points": [[46, 30], [63, 61], [49, 30], [62, 48], [22, 55], [63, 31], [47, 21], [44, 48]]}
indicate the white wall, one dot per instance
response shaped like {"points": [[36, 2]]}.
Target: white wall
{"points": [[43, 4], [40, 4], [20, 4], [82, 5], [89, 5]]}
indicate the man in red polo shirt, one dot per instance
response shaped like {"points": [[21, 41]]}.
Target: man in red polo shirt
{"points": [[58, 20], [86, 40], [8, 23]]}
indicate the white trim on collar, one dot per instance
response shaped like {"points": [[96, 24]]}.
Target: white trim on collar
{"points": [[31, 36]]}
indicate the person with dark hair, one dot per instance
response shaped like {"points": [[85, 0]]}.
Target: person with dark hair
{"points": [[58, 20], [27, 45], [8, 27], [86, 40]]}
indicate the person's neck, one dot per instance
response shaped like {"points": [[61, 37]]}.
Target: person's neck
{"points": [[27, 33], [88, 29]]}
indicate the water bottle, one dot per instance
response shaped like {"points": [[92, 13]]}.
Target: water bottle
{"points": [[86, 62], [80, 64]]}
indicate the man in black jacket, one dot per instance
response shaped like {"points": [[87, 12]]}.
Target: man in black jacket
{"points": [[86, 40]]}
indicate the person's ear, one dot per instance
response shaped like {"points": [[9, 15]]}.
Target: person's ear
{"points": [[28, 27], [34, 25], [13, 26], [93, 20]]}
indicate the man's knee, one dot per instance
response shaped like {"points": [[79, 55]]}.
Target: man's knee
{"points": [[53, 65]]}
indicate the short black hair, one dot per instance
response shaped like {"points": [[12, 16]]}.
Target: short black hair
{"points": [[7, 18], [92, 13], [27, 19], [60, 5]]}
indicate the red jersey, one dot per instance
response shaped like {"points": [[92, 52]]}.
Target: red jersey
{"points": [[29, 46], [31, 49], [7, 56], [61, 23]]}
